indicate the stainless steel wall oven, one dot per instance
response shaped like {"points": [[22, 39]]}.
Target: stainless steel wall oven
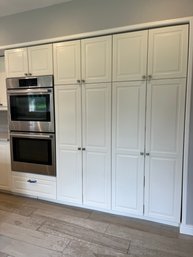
{"points": [[31, 124]]}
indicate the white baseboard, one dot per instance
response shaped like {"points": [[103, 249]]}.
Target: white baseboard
{"points": [[186, 229]]}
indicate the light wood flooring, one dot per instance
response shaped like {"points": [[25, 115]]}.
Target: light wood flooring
{"points": [[34, 228]]}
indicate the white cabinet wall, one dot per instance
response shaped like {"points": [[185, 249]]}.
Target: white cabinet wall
{"points": [[148, 121], [30, 61], [5, 164], [3, 95], [82, 70]]}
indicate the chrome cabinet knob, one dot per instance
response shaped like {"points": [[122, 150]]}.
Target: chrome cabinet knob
{"points": [[141, 153], [147, 154]]}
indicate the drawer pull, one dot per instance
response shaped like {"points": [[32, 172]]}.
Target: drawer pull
{"points": [[32, 181]]}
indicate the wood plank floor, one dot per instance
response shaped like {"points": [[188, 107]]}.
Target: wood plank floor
{"points": [[34, 228]]}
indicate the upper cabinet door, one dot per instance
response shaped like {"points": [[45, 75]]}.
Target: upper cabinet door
{"points": [[129, 56], [67, 62], [16, 63], [96, 59], [168, 49], [40, 60]]}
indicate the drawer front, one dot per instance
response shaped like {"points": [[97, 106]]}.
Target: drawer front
{"points": [[34, 185]]}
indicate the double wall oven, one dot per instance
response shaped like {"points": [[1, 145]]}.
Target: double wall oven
{"points": [[31, 124]]}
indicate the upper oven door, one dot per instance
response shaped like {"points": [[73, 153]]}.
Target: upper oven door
{"points": [[31, 110]]}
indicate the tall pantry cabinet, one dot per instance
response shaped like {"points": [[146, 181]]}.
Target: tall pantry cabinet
{"points": [[83, 121], [138, 169], [149, 84]]}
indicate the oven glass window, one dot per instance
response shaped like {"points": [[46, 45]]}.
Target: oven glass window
{"points": [[30, 150], [30, 107]]}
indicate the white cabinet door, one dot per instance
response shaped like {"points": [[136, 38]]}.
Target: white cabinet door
{"points": [[96, 141], [16, 62], [68, 140], [164, 148], [128, 146], [40, 60], [5, 166], [67, 62], [130, 56], [168, 50], [96, 59]]}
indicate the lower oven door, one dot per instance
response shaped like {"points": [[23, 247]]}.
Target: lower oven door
{"points": [[33, 153]]}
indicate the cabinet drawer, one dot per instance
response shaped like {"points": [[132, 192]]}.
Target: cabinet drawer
{"points": [[34, 185]]}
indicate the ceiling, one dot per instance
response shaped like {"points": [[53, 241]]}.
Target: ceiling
{"points": [[8, 7]]}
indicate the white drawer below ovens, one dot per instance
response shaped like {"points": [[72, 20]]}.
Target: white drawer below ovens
{"points": [[39, 186]]}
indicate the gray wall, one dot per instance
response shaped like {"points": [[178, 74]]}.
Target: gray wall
{"points": [[81, 16], [87, 15]]}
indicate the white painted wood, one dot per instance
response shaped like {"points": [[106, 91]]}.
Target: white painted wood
{"points": [[16, 62], [68, 139], [5, 166], [36, 60], [164, 143], [40, 60], [97, 142], [168, 50], [127, 143], [130, 56], [67, 62], [96, 59], [45, 187]]}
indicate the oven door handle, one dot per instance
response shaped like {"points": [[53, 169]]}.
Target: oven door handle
{"points": [[28, 91], [31, 136]]}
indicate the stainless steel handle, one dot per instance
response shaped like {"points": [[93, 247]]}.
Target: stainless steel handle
{"points": [[32, 181], [28, 91], [26, 135]]}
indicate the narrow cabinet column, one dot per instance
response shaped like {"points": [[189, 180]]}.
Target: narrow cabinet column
{"points": [[128, 146], [164, 148], [97, 144], [68, 143]]}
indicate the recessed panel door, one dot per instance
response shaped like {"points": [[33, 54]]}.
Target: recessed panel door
{"points": [[168, 51], [128, 146], [130, 56], [164, 148], [68, 143], [96, 59], [67, 62], [96, 99]]}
